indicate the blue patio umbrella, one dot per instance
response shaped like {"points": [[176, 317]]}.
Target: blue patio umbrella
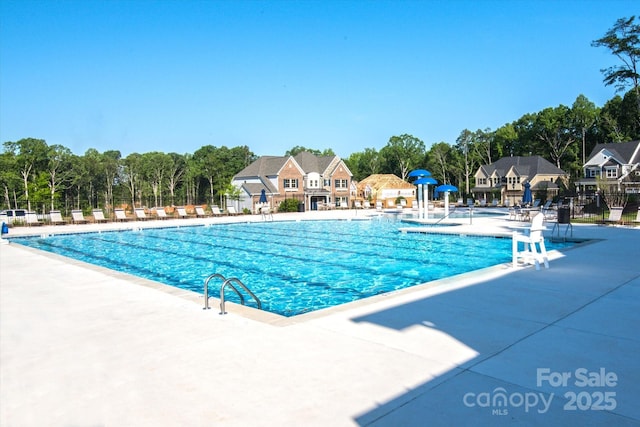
{"points": [[419, 173], [424, 180], [446, 189], [527, 197], [263, 196]]}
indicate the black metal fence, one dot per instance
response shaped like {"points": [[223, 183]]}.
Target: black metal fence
{"points": [[593, 209]]}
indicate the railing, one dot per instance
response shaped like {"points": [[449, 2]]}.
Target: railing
{"points": [[227, 282]]}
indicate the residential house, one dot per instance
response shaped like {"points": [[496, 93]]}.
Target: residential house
{"points": [[313, 180], [504, 179], [614, 166]]}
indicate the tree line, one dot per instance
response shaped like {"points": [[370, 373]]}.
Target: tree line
{"points": [[38, 176]]}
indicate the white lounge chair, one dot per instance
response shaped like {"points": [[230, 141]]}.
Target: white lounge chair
{"points": [[98, 215], [32, 219], [56, 218], [232, 210], [121, 215], [637, 220], [532, 237], [215, 210], [182, 212], [200, 213], [77, 217], [141, 214], [615, 216], [161, 213]]}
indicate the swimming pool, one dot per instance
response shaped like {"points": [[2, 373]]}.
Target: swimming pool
{"points": [[293, 267]]}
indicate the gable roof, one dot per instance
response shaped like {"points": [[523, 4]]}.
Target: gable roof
{"points": [[523, 165], [264, 166], [625, 152]]}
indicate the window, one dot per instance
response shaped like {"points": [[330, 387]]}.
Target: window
{"points": [[341, 184], [290, 184], [612, 172], [592, 173], [482, 181]]}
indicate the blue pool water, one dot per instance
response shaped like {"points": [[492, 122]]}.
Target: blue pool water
{"points": [[293, 267]]}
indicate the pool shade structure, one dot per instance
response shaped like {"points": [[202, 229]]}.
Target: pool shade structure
{"points": [[527, 197], [421, 182], [419, 173], [446, 189]]}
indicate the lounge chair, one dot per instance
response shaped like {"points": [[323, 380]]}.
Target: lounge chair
{"points": [[531, 238], [367, 204], [637, 220], [200, 213], [379, 205], [121, 215], [182, 212], [77, 217], [98, 215], [615, 216], [141, 214], [32, 219], [216, 211], [232, 210], [161, 213], [56, 218], [357, 204]]}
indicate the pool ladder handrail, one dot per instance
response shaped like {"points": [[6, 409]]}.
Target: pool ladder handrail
{"points": [[243, 286], [227, 282]]}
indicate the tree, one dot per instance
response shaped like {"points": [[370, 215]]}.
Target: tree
{"points": [[9, 178], [584, 115], [31, 155], [401, 154], [439, 160], [175, 171], [110, 166], [364, 163], [132, 168], [58, 169], [554, 129], [623, 40]]}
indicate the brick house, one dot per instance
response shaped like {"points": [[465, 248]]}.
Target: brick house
{"points": [[313, 180]]}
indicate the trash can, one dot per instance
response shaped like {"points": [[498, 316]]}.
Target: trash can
{"points": [[300, 207], [5, 228], [564, 215]]}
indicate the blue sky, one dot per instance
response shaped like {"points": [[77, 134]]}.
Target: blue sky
{"points": [[172, 76]]}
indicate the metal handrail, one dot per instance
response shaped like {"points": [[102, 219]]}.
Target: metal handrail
{"points": [[242, 285], [206, 289]]}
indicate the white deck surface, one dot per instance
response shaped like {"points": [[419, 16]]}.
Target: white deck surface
{"points": [[83, 346]]}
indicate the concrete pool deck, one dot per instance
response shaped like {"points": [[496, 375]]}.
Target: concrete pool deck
{"points": [[83, 346]]}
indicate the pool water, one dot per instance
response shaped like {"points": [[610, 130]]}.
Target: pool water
{"points": [[292, 267]]}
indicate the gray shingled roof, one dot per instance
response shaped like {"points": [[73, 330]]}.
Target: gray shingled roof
{"points": [[623, 151], [524, 165], [264, 166], [312, 163]]}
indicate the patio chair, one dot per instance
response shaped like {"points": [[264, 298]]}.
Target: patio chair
{"points": [[232, 210], [141, 214], [615, 216], [56, 218], [200, 213], [121, 215], [637, 220], [357, 204], [161, 213], [77, 217], [215, 210], [266, 213], [182, 212], [367, 204], [533, 236], [32, 219], [98, 215]]}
